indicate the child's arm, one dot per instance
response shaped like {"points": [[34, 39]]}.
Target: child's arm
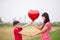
{"points": [[26, 24], [24, 34], [36, 26]]}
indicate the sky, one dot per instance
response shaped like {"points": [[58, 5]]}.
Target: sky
{"points": [[18, 9]]}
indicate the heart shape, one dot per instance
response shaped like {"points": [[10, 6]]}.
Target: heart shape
{"points": [[33, 14]]}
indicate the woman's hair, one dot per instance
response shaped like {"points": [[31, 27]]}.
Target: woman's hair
{"points": [[15, 22], [45, 14]]}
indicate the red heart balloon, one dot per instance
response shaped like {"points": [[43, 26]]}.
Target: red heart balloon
{"points": [[33, 14]]}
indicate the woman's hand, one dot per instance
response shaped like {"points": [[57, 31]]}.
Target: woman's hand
{"points": [[29, 35], [36, 25], [33, 35]]}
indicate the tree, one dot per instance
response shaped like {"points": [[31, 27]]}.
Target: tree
{"points": [[0, 20]]}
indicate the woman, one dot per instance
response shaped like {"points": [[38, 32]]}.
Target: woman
{"points": [[45, 29]]}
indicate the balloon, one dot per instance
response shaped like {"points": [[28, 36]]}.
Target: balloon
{"points": [[33, 14]]}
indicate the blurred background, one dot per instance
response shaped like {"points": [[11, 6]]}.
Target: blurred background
{"points": [[11, 10]]}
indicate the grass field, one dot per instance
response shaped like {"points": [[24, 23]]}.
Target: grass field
{"points": [[6, 33]]}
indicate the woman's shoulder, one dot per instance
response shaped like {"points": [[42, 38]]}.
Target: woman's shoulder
{"points": [[48, 22]]}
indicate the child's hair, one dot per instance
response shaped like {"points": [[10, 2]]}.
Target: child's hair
{"points": [[45, 14], [15, 22]]}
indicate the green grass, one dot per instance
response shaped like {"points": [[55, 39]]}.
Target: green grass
{"points": [[6, 33], [55, 35]]}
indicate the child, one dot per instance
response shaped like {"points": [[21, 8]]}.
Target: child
{"points": [[18, 28]]}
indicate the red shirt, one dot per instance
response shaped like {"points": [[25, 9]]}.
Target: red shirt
{"points": [[17, 35]]}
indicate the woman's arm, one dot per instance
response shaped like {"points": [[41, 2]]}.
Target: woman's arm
{"points": [[26, 24], [41, 31], [37, 26]]}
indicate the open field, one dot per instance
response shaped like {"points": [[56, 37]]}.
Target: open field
{"points": [[6, 33]]}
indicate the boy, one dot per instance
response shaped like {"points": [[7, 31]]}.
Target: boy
{"points": [[18, 28]]}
